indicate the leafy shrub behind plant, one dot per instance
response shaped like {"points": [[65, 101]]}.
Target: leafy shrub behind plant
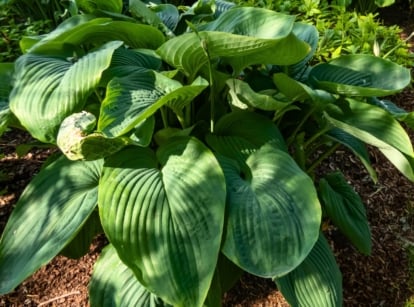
{"points": [[194, 149]]}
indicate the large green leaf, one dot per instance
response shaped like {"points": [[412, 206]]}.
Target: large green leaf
{"points": [[251, 21], [361, 75], [167, 223], [344, 206], [114, 284], [134, 98], [242, 37], [317, 281], [376, 127], [98, 31], [273, 211], [51, 210], [48, 89], [6, 73]]}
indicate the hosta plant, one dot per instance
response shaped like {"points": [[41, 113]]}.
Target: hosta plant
{"points": [[191, 139]]}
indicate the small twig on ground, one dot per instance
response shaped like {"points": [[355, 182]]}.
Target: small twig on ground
{"points": [[58, 298]]}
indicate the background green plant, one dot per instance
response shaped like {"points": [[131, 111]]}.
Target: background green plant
{"points": [[13, 27], [191, 137]]}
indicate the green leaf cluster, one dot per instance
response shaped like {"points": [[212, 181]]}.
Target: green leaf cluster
{"points": [[190, 136]]}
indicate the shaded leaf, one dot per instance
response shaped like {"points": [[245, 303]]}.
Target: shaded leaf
{"points": [[51, 210], [317, 281], [114, 284], [357, 147], [273, 211], [360, 75], [376, 127], [80, 244], [346, 210]]}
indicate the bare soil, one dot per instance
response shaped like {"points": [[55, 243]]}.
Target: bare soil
{"points": [[382, 279]]}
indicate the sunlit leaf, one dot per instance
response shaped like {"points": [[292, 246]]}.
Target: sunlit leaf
{"points": [[48, 89]]}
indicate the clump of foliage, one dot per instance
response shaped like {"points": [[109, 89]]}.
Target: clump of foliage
{"points": [[36, 10], [13, 28], [191, 139], [344, 30]]}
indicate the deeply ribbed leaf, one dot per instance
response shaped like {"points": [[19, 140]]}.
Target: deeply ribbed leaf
{"points": [[48, 89], [345, 208], [166, 224], [127, 61], [114, 284], [273, 210], [360, 75], [169, 15], [49, 213], [317, 281], [134, 98]]}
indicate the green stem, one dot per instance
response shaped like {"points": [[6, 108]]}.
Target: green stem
{"points": [[322, 157], [316, 136], [211, 95], [164, 116], [398, 46], [98, 95], [299, 126], [181, 119]]}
